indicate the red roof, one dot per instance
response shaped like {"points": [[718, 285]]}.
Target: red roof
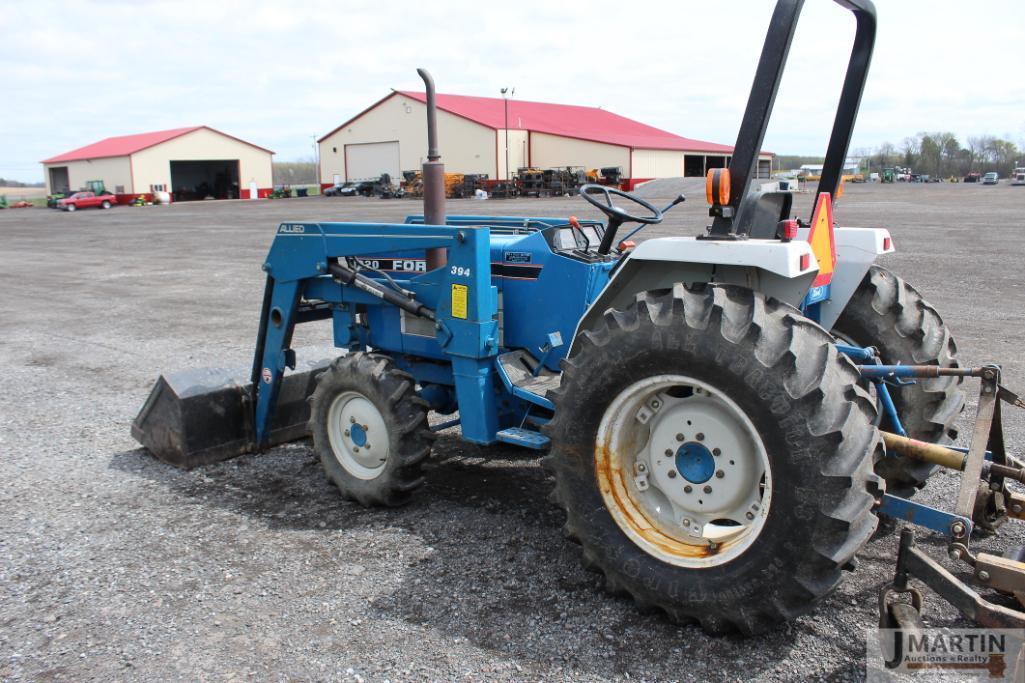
{"points": [[567, 120], [124, 145]]}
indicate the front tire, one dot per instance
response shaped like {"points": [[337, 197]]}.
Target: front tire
{"points": [[888, 313], [763, 402], [105, 205], [69, 208], [370, 429]]}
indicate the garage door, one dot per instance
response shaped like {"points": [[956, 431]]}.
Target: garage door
{"points": [[370, 160]]}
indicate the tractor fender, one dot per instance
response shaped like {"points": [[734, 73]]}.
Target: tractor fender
{"points": [[778, 269], [856, 251]]}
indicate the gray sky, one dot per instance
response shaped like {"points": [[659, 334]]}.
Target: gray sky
{"points": [[278, 74]]}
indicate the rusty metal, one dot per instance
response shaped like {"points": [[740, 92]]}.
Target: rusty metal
{"points": [[990, 511], [1001, 573], [947, 457], [1011, 397], [433, 175], [1016, 505], [913, 562], [926, 452], [987, 417], [1005, 472]]}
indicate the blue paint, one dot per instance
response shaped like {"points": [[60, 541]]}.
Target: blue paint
{"points": [[358, 435], [856, 352], [889, 409], [889, 371], [879, 374], [523, 437], [524, 262], [695, 462], [921, 514]]}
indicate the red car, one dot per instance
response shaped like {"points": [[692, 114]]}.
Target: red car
{"points": [[85, 200]]}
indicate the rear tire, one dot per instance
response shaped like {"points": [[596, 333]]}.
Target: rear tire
{"points": [[370, 429], [806, 413], [105, 205], [888, 313]]}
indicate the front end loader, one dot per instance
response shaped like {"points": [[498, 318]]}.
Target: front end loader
{"points": [[725, 416]]}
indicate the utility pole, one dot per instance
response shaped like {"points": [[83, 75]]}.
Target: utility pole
{"points": [[316, 160], [505, 99]]}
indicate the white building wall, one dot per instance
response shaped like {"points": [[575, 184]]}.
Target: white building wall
{"points": [[113, 171], [152, 166], [517, 152], [657, 163], [465, 146], [549, 151]]}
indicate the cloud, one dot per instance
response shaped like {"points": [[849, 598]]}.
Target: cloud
{"points": [[277, 74]]}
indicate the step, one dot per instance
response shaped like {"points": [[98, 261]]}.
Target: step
{"points": [[523, 437]]}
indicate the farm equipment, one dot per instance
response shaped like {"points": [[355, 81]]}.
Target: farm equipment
{"points": [[53, 199], [712, 408]]}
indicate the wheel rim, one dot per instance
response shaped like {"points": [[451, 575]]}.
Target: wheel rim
{"points": [[358, 435], [683, 471]]}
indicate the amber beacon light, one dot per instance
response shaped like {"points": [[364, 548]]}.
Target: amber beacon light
{"points": [[717, 186]]}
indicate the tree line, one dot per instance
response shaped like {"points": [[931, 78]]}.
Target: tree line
{"points": [[7, 182], [302, 172], [940, 154]]}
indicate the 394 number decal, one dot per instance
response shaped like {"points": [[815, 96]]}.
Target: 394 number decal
{"points": [[460, 271]]}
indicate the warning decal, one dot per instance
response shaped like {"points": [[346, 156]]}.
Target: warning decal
{"points": [[460, 296]]}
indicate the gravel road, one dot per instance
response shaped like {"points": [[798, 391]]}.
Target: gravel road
{"points": [[115, 566]]}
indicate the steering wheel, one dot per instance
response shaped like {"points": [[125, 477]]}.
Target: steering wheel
{"points": [[593, 193]]}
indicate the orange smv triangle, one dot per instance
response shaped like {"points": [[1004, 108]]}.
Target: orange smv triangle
{"points": [[820, 237]]}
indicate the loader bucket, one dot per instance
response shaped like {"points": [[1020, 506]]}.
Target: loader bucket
{"points": [[197, 417]]}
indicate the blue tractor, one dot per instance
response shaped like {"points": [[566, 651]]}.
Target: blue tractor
{"points": [[710, 406]]}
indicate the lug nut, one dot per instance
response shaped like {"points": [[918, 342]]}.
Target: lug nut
{"points": [[669, 452], [679, 437], [750, 515], [720, 474], [352, 420], [707, 489], [686, 522], [655, 404], [367, 446], [355, 449], [641, 467], [716, 451], [687, 488], [347, 432], [701, 436], [366, 428], [672, 474]]}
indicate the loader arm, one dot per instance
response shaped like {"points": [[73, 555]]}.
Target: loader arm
{"points": [[306, 264]]}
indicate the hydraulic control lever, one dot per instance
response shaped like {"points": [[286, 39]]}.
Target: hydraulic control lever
{"points": [[680, 199]]}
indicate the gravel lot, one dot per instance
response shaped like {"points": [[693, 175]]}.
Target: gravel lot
{"points": [[115, 566]]}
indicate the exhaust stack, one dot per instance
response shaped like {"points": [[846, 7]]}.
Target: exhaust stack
{"points": [[433, 175]]}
